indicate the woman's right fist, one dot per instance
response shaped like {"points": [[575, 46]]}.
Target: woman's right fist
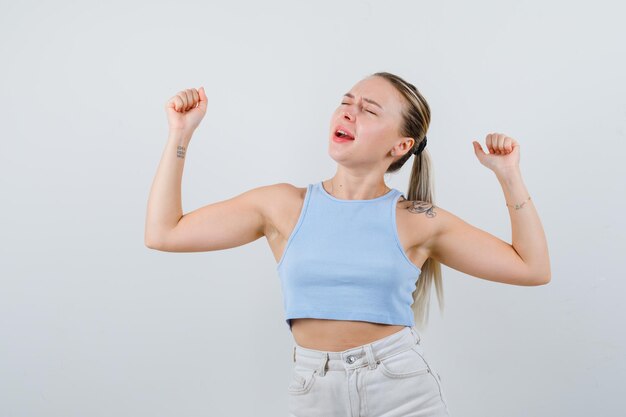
{"points": [[186, 109]]}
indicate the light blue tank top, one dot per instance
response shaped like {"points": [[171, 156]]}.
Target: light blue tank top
{"points": [[344, 261]]}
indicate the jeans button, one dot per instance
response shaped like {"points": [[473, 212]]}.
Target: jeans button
{"points": [[350, 359]]}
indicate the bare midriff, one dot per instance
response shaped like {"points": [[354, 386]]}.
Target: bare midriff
{"points": [[338, 335]]}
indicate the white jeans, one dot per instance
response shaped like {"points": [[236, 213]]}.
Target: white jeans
{"points": [[388, 377]]}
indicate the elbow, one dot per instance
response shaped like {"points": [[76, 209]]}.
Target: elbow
{"points": [[540, 275], [544, 280], [154, 238], [152, 242], [547, 276]]}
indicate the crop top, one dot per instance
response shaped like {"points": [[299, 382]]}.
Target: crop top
{"points": [[344, 261]]}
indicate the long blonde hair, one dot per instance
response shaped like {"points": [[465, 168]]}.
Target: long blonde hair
{"points": [[415, 122]]}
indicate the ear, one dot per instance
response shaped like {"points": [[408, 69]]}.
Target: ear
{"points": [[407, 144], [404, 146]]}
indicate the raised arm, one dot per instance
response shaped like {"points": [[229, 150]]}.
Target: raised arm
{"points": [[471, 250], [219, 225]]}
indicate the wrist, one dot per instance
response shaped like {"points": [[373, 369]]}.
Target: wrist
{"points": [[508, 173], [179, 136]]}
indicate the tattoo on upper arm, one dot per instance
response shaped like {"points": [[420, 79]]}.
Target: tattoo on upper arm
{"points": [[418, 206]]}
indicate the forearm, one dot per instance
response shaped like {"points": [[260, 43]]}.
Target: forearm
{"points": [[528, 237], [164, 202]]}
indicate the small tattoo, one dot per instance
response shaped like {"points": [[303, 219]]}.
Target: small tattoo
{"points": [[422, 207], [180, 151]]}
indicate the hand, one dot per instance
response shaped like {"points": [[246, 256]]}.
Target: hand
{"points": [[503, 152], [186, 109]]}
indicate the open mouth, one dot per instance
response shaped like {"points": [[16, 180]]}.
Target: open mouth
{"points": [[343, 134]]}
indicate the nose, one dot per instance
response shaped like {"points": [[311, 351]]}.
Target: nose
{"points": [[348, 115]]}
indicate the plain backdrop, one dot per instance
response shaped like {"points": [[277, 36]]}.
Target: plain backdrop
{"points": [[93, 323]]}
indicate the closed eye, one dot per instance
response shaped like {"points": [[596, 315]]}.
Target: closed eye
{"points": [[365, 109]]}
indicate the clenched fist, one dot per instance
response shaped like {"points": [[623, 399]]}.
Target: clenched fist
{"points": [[186, 109], [504, 152]]}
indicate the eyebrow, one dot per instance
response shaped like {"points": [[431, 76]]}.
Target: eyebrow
{"points": [[369, 100]]}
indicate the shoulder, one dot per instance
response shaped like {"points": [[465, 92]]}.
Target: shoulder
{"points": [[277, 201], [278, 192], [425, 220], [420, 210], [281, 193], [267, 199], [417, 207]]}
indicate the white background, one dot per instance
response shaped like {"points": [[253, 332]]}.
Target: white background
{"points": [[93, 323]]}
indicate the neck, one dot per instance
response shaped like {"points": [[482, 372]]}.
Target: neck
{"points": [[339, 192]]}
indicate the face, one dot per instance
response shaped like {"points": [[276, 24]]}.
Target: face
{"points": [[371, 114]]}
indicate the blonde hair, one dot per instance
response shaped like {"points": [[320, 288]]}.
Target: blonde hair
{"points": [[415, 122]]}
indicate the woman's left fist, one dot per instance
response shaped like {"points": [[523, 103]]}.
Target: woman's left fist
{"points": [[503, 152]]}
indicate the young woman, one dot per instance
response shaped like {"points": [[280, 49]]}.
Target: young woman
{"points": [[356, 258]]}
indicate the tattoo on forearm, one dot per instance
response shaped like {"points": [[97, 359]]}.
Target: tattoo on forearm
{"points": [[422, 207], [180, 151]]}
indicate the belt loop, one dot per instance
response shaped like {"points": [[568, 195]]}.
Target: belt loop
{"points": [[322, 370], [371, 359]]}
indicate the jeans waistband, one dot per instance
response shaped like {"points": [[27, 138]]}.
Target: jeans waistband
{"points": [[359, 356]]}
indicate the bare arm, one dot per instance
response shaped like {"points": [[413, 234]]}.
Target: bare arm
{"points": [[468, 249], [164, 203], [528, 237], [185, 111], [220, 225], [476, 252]]}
